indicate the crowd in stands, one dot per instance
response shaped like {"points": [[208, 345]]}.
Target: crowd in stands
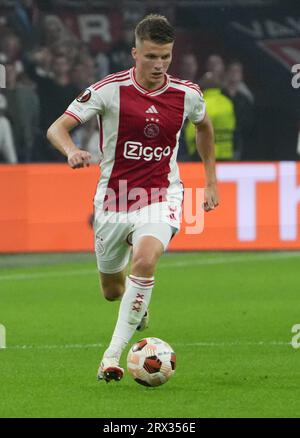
{"points": [[229, 104], [47, 66]]}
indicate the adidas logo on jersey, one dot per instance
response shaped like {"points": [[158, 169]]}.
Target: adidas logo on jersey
{"points": [[152, 110]]}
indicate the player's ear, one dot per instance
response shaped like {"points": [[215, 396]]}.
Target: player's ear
{"points": [[133, 52]]}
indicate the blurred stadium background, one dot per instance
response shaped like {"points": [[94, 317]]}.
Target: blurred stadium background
{"points": [[233, 311]]}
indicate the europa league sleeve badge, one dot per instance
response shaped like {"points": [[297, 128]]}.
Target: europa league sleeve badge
{"points": [[84, 96]]}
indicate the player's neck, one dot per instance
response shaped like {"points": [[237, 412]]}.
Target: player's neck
{"points": [[142, 81]]}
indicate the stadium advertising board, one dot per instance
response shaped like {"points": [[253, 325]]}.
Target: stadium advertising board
{"points": [[50, 208]]}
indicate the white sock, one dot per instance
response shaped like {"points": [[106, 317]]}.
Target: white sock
{"points": [[133, 306]]}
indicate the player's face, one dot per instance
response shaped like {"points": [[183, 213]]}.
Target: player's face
{"points": [[152, 61]]}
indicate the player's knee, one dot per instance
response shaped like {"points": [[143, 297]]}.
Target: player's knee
{"points": [[143, 266], [110, 297], [112, 292]]}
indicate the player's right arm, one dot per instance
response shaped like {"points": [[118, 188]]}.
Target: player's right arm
{"points": [[59, 135]]}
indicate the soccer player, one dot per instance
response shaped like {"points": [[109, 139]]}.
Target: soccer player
{"points": [[138, 201]]}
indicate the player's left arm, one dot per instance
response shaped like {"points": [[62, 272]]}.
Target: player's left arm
{"points": [[206, 150]]}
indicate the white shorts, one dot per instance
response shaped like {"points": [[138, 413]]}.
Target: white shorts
{"points": [[116, 232]]}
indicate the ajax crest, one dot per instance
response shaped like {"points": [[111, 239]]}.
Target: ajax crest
{"points": [[151, 130]]}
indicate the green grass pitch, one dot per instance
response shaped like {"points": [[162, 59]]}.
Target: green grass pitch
{"points": [[227, 315]]}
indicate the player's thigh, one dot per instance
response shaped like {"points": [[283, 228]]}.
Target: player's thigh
{"points": [[113, 285], [158, 214], [161, 221], [112, 274], [112, 254], [149, 242]]}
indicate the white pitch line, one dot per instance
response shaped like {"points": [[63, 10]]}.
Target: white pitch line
{"points": [[233, 259], [175, 344], [37, 275], [53, 347], [174, 264]]}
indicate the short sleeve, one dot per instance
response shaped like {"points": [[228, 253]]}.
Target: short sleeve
{"points": [[88, 104], [196, 106]]}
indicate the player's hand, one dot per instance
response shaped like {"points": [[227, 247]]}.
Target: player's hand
{"points": [[211, 197], [78, 158]]}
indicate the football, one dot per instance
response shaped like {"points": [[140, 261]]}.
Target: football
{"points": [[151, 362]]}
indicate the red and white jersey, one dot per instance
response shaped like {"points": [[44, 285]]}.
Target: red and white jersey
{"points": [[139, 133]]}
